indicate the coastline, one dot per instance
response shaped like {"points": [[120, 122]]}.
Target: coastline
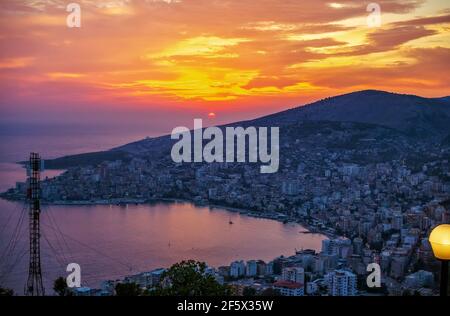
{"points": [[279, 217]]}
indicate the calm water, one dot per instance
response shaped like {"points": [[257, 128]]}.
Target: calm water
{"points": [[112, 241]]}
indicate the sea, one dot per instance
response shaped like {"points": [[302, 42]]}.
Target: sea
{"points": [[110, 242]]}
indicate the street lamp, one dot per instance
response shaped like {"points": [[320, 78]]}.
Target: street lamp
{"points": [[440, 243]]}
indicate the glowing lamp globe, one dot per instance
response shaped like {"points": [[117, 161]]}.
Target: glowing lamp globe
{"points": [[440, 242]]}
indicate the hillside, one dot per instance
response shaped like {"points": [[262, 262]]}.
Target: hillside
{"points": [[423, 117], [413, 116]]}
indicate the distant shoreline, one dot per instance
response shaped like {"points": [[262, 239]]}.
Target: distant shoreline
{"points": [[310, 229], [271, 216]]}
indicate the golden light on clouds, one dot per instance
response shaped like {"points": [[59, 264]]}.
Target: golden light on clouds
{"points": [[237, 51], [60, 75], [202, 46], [19, 62], [336, 5], [209, 84]]}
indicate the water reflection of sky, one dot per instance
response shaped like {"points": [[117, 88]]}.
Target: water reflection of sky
{"points": [[113, 241]]}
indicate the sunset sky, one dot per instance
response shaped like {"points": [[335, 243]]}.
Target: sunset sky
{"points": [[170, 59]]}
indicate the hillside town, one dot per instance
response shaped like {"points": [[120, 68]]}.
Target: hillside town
{"points": [[342, 181], [339, 269]]}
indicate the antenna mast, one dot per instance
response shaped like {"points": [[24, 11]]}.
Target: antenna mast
{"points": [[34, 285]]}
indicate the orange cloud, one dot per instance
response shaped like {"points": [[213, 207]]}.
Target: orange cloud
{"points": [[229, 53]]}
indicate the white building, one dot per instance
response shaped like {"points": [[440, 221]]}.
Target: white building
{"points": [[144, 279], [290, 187], [237, 269], [252, 268], [351, 170], [342, 247], [313, 287], [294, 274], [397, 221], [269, 268], [358, 245], [289, 288], [341, 283]]}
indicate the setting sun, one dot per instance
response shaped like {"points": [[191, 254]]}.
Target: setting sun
{"points": [[151, 54]]}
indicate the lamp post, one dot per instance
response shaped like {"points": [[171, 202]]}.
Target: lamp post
{"points": [[440, 243]]}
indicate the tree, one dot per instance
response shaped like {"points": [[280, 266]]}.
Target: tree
{"points": [[128, 289], [60, 286], [188, 278], [6, 292]]}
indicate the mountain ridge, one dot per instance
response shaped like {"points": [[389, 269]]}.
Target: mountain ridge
{"points": [[416, 116], [365, 106]]}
